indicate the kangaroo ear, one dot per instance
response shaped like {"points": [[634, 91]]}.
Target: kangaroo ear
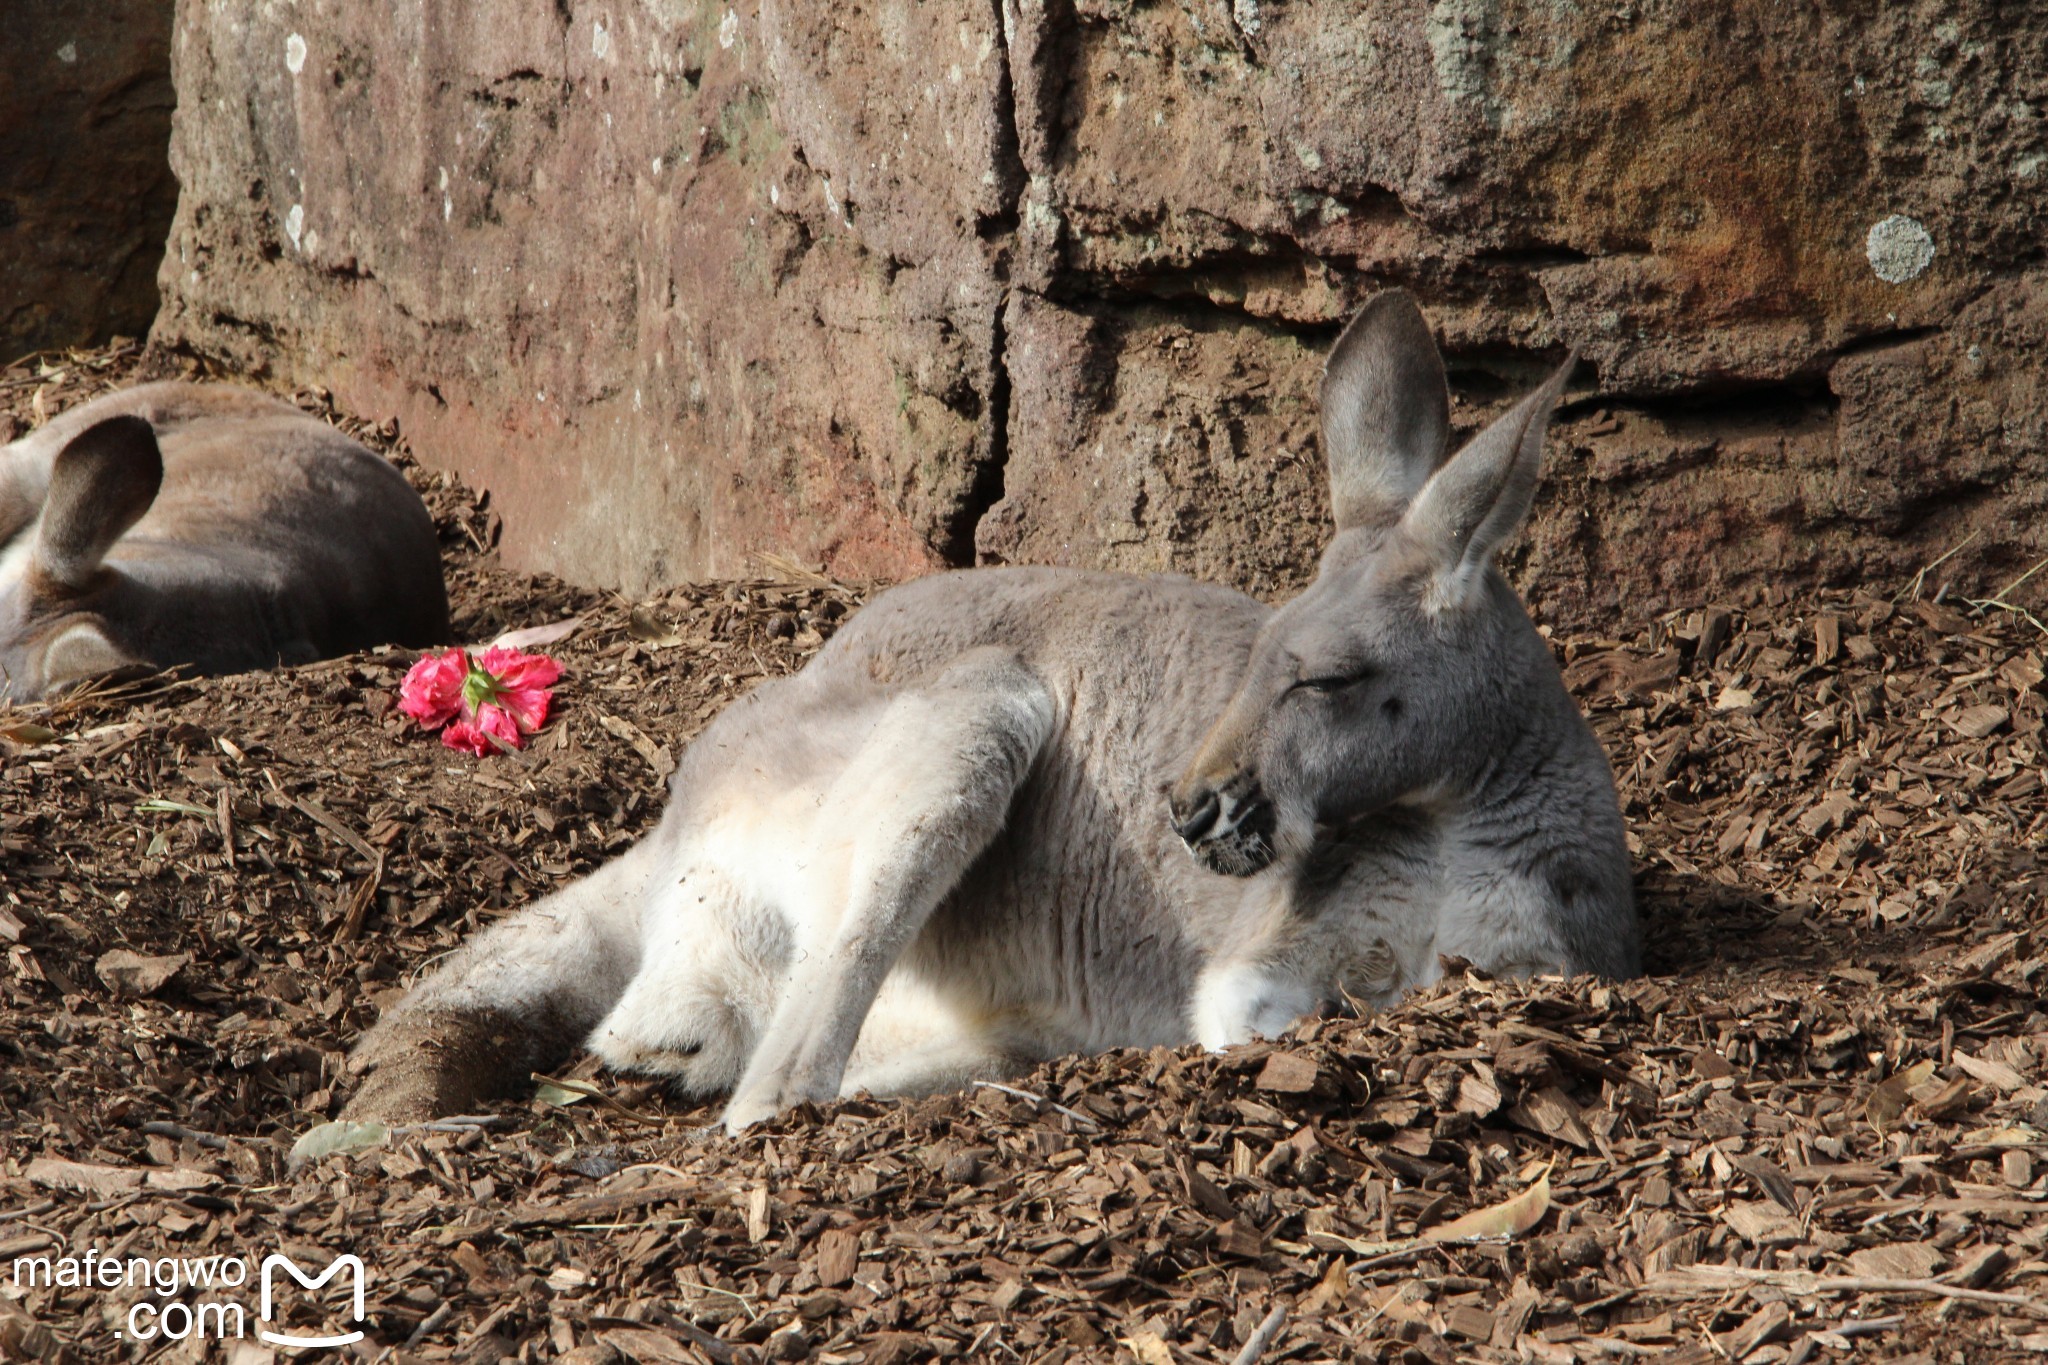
{"points": [[1479, 499], [100, 485], [1386, 411], [79, 648]]}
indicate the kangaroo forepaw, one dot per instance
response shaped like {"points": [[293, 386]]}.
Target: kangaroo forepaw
{"points": [[701, 1052], [763, 1094]]}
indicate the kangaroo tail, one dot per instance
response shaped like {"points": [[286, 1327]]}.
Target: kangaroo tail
{"points": [[517, 998]]}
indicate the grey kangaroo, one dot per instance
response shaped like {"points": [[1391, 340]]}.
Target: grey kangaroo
{"points": [[1012, 813], [208, 526]]}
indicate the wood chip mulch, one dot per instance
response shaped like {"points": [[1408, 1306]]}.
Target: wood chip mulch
{"points": [[1817, 1131]]}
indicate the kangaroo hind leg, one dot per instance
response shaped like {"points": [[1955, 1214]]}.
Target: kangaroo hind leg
{"points": [[924, 795], [517, 997]]}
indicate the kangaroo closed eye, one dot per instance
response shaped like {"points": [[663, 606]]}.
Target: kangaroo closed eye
{"points": [[1336, 681]]}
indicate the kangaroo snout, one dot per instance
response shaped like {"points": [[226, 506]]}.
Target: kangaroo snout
{"points": [[1194, 815], [1226, 821]]}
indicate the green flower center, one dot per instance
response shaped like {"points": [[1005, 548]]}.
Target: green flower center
{"points": [[480, 687]]}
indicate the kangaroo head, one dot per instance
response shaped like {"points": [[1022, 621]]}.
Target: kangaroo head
{"points": [[101, 483], [1400, 673]]}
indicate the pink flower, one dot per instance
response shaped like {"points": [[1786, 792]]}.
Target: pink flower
{"points": [[521, 683], [491, 732], [432, 691], [493, 701]]}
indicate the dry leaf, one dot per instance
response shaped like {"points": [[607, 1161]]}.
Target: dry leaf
{"points": [[92, 1178], [1332, 1292], [1330, 1241], [136, 974], [28, 732], [655, 755], [341, 1137], [1510, 1218], [1990, 1072], [533, 637], [1888, 1100], [159, 805], [561, 1096], [649, 630], [1149, 1347]]}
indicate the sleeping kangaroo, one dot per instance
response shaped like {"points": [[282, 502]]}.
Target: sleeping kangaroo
{"points": [[1012, 813], [203, 525]]}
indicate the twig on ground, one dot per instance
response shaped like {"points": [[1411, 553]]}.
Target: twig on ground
{"points": [[579, 1088], [358, 908], [1407, 1253], [1074, 1114], [430, 1324], [318, 814], [795, 571], [1862, 1327], [483, 1329], [163, 1128], [661, 1166], [1720, 1278], [460, 1123], [1999, 602], [1919, 581], [35, 1210], [1262, 1336]]}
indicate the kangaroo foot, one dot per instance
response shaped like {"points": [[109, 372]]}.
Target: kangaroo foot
{"points": [[424, 1065]]}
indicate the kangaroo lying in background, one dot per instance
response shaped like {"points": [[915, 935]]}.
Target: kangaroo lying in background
{"points": [[208, 526], [998, 818]]}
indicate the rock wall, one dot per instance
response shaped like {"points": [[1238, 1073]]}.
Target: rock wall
{"points": [[85, 188], [892, 286]]}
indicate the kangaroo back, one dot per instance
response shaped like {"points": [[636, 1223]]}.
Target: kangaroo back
{"points": [[208, 526]]}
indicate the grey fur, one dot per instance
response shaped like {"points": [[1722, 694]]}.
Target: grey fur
{"points": [[947, 849]]}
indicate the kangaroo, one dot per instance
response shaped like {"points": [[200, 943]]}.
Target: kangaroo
{"points": [[208, 526], [1010, 813]]}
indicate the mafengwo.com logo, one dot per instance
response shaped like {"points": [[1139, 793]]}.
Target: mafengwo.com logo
{"points": [[351, 1264], [205, 1298]]}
